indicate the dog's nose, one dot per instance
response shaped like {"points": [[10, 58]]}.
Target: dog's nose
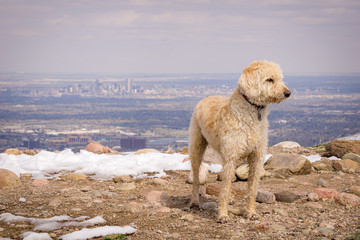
{"points": [[287, 93]]}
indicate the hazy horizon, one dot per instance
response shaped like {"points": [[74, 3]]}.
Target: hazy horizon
{"points": [[181, 36]]}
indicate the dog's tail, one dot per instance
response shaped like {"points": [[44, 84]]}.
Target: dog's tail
{"points": [[197, 144]]}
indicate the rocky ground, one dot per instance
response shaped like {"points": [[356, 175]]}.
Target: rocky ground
{"points": [[159, 208]]}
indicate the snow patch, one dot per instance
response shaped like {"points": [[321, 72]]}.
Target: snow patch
{"points": [[35, 236], [86, 233], [57, 222], [105, 167]]}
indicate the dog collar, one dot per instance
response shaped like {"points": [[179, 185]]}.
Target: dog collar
{"points": [[258, 107]]}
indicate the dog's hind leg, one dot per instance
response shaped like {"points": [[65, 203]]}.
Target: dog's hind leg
{"points": [[197, 147]]}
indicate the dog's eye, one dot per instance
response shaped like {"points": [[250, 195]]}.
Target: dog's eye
{"points": [[270, 80]]}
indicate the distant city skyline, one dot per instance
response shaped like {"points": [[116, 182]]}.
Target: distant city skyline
{"points": [[180, 36]]}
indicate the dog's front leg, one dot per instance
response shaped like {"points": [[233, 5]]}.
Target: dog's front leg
{"points": [[255, 164], [228, 170]]}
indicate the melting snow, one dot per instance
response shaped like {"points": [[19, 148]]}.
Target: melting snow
{"points": [[57, 222], [101, 166], [86, 233]]}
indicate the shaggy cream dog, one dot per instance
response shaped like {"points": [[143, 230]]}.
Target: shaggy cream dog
{"points": [[237, 128]]}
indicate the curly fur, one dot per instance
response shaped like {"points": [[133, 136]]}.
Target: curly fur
{"points": [[233, 128]]}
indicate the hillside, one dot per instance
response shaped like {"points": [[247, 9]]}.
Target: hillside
{"points": [[315, 206]]}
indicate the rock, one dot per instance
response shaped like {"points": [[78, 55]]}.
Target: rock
{"points": [[211, 156], [347, 199], [286, 196], [122, 179], [355, 190], [326, 224], [339, 148], [346, 165], [13, 151], [158, 181], [265, 197], [203, 172], [8, 179], [325, 193], [40, 182], [242, 172], [296, 163], [220, 176], [97, 148], [85, 189], [325, 231], [280, 212], [313, 197], [324, 164], [133, 207], [287, 144], [352, 156], [29, 152], [314, 205], [214, 190], [209, 206], [163, 210], [321, 182], [187, 217], [74, 176], [146, 150], [55, 202], [126, 186], [156, 196], [277, 228]]}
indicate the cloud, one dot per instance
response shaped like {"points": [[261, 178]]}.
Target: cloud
{"points": [[113, 19]]}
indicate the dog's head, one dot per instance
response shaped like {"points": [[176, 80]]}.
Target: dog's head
{"points": [[262, 83]]}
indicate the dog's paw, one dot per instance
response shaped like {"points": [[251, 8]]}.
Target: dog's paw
{"points": [[251, 215], [222, 219], [195, 206]]}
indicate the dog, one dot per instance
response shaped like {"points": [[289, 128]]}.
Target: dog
{"points": [[237, 128]]}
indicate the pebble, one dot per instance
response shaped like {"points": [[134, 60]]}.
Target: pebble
{"points": [[313, 197], [76, 209], [280, 211], [156, 196], [40, 182], [321, 182], [277, 228], [265, 197], [355, 190], [325, 231], [286, 196], [314, 205], [85, 189], [126, 186], [158, 181], [74, 176], [133, 207], [327, 225], [122, 179], [187, 217], [55, 202], [209, 206], [163, 210]]}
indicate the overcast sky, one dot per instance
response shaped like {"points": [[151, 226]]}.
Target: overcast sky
{"points": [[179, 36]]}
